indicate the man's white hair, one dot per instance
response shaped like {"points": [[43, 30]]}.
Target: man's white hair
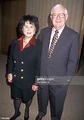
{"points": [[59, 5]]}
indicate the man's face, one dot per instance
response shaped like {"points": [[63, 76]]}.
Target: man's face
{"points": [[59, 17]]}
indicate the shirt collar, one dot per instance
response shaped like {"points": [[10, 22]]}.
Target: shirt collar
{"points": [[32, 41], [60, 30]]}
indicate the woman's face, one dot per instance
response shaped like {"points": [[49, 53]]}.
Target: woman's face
{"points": [[29, 29]]}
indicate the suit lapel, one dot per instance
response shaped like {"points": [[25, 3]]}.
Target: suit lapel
{"points": [[18, 51], [62, 39], [47, 40]]}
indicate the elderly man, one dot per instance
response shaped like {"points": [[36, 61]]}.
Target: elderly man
{"points": [[59, 59]]}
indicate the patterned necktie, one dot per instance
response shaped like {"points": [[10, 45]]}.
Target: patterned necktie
{"points": [[53, 43]]}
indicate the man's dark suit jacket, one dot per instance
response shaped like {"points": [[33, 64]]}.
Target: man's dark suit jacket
{"points": [[65, 56]]}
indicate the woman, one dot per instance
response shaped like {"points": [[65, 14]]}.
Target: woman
{"points": [[23, 64]]}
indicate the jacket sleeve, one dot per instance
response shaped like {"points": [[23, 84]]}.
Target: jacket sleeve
{"points": [[9, 65], [38, 63], [73, 57]]}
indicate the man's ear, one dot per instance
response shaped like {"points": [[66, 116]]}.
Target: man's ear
{"points": [[66, 17]]}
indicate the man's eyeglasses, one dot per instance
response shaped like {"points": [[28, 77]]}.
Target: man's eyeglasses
{"points": [[60, 15]]}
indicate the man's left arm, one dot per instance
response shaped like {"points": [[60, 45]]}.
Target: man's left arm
{"points": [[73, 57]]}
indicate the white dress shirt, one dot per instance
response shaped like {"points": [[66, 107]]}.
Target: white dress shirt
{"points": [[53, 32]]}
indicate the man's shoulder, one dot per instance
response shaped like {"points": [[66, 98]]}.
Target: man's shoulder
{"points": [[46, 28], [68, 29]]}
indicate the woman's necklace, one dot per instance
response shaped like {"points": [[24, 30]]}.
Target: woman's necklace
{"points": [[24, 41]]}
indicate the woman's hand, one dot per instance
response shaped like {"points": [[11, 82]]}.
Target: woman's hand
{"points": [[34, 87], [10, 77]]}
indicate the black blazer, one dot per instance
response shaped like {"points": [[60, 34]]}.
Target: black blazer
{"points": [[65, 56], [24, 65]]}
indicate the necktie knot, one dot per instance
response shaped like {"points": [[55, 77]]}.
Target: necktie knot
{"points": [[56, 31], [56, 34]]}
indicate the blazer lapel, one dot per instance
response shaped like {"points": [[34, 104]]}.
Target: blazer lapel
{"points": [[47, 40]]}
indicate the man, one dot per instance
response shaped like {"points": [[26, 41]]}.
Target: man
{"points": [[60, 62]]}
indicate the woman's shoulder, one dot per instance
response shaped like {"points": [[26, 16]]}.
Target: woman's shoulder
{"points": [[14, 40]]}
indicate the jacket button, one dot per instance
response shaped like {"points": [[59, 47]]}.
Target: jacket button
{"points": [[14, 61], [14, 75], [22, 62], [21, 70], [21, 77]]}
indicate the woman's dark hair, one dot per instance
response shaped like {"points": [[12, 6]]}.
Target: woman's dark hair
{"points": [[32, 19]]}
